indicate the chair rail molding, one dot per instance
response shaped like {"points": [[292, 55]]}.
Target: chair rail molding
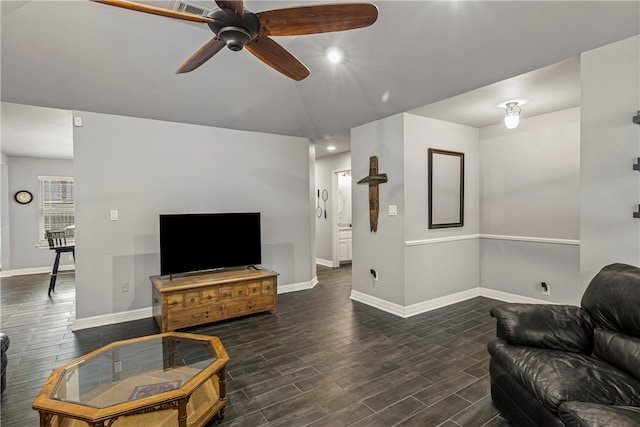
{"points": [[493, 237]]}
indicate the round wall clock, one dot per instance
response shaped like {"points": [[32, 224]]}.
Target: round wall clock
{"points": [[23, 197]]}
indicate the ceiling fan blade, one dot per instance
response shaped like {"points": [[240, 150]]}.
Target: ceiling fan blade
{"points": [[156, 10], [203, 54], [277, 57], [316, 19], [236, 5]]}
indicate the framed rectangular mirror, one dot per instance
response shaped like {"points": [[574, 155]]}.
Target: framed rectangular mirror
{"points": [[446, 188]]}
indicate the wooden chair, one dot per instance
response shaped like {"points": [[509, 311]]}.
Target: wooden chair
{"points": [[58, 242]]}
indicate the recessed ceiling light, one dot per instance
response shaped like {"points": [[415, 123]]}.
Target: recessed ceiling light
{"points": [[335, 55], [331, 148]]}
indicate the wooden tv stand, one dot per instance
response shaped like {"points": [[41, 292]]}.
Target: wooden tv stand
{"points": [[208, 297]]}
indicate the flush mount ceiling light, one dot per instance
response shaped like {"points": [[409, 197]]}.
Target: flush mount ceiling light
{"points": [[512, 115], [335, 55], [512, 112], [331, 148]]}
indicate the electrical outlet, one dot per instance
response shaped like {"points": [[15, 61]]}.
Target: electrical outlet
{"points": [[546, 289], [124, 287]]}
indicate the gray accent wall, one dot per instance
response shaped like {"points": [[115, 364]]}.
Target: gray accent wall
{"points": [[5, 236], [415, 264], [22, 248], [383, 250], [442, 261], [610, 145], [530, 207], [144, 168]]}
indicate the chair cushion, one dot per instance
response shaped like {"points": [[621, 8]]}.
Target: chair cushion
{"points": [[554, 377], [581, 414], [620, 350], [613, 299]]}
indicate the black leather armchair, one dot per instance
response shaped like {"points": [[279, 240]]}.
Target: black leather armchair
{"points": [[4, 346], [560, 365]]}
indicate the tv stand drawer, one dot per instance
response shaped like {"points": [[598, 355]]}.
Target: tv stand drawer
{"points": [[209, 297]]}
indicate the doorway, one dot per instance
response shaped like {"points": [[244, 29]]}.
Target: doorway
{"points": [[342, 224]]}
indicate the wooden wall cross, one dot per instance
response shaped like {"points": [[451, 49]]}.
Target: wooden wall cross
{"points": [[374, 179]]}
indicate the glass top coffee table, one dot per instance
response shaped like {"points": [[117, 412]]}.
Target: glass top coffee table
{"points": [[160, 380]]}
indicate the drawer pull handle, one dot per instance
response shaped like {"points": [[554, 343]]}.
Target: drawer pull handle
{"points": [[174, 302], [196, 315], [208, 296], [193, 300], [251, 305], [225, 295], [268, 288], [239, 292]]}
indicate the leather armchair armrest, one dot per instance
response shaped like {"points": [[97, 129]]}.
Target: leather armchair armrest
{"points": [[558, 327]]}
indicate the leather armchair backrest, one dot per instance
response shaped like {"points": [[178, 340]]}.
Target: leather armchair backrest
{"points": [[612, 299], [621, 350]]}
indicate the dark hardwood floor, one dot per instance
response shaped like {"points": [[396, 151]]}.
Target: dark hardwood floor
{"points": [[323, 360]]}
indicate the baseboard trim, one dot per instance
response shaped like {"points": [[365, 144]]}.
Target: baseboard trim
{"points": [[112, 318], [380, 304], [285, 289], [324, 262], [425, 306], [414, 309], [35, 270], [508, 297]]}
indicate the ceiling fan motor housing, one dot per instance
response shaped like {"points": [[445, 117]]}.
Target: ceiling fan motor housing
{"points": [[233, 29]]}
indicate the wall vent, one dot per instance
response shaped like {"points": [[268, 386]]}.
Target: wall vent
{"points": [[183, 6]]}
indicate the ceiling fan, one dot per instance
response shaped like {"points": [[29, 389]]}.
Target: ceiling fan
{"points": [[237, 27]]}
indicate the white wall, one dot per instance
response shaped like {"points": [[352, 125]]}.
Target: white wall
{"points": [[610, 188], [143, 168], [530, 207], [324, 168]]}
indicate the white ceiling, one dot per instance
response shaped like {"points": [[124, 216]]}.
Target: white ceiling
{"points": [[426, 57]]}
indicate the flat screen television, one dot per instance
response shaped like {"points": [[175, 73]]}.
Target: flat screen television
{"points": [[206, 241]]}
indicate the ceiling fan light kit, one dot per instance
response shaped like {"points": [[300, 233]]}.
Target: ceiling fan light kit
{"points": [[234, 30], [237, 28]]}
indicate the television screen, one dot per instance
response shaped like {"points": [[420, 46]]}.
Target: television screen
{"points": [[197, 242]]}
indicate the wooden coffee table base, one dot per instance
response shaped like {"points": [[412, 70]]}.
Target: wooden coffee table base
{"points": [[193, 404]]}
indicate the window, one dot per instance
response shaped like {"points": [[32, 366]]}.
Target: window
{"points": [[57, 205]]}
